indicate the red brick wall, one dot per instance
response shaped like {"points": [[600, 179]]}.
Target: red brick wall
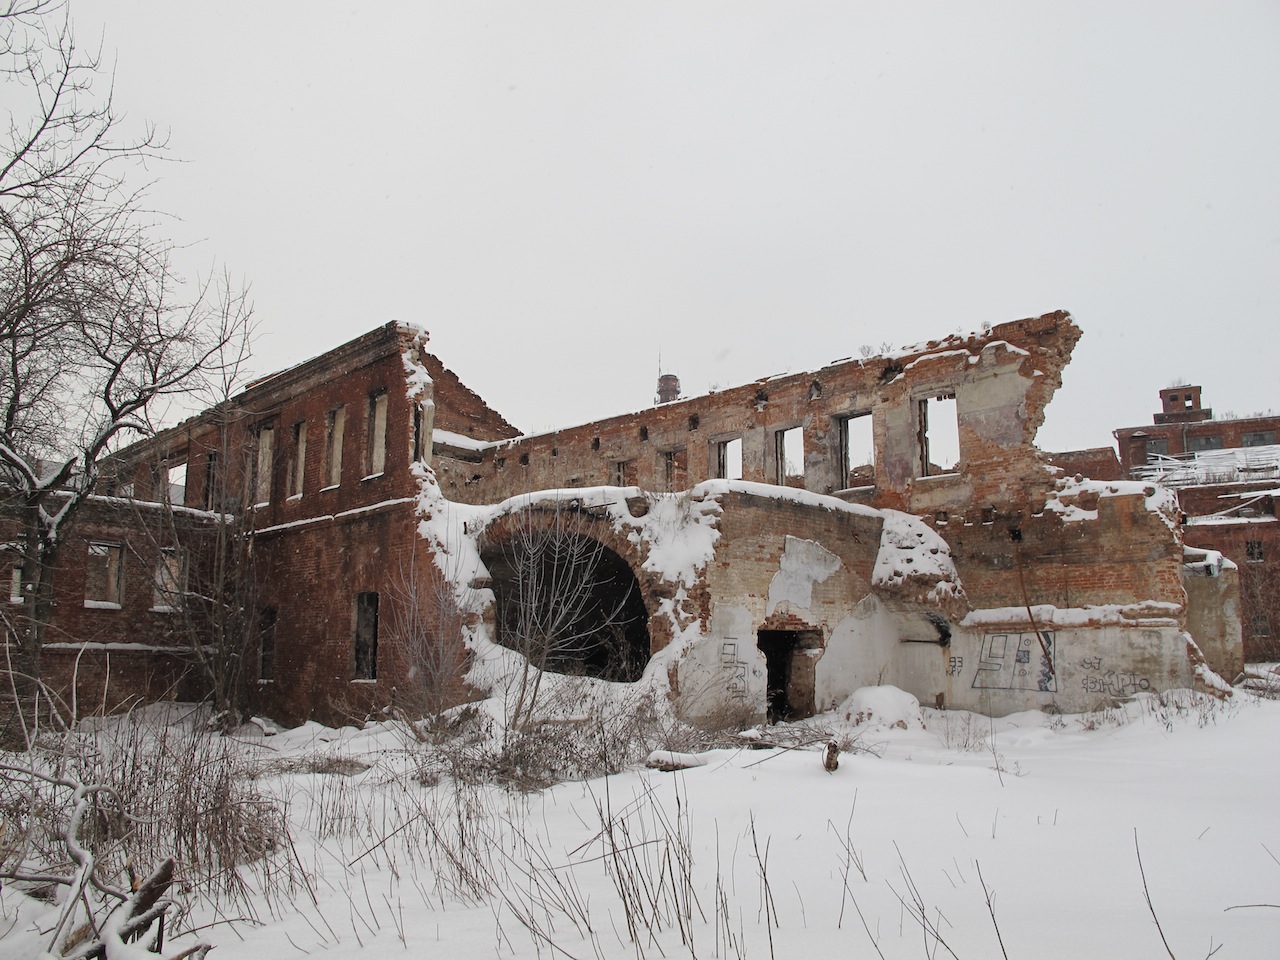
{"points": [[98, 656], [996, 428], [1096, 463], [1259, 576]]}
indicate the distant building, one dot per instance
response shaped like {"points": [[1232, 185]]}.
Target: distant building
{"points": [[1227, 477]]}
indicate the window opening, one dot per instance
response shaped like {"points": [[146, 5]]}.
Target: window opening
{"points": [[104, 581], [376, 459], [265, 442], [1253, 551], [624, 473], [335, 426], [938, 435], [176, 483], [417, 434], [729, 459], [856, 451], [15, 572], [1260, 438], [366, 640], [1210, 442], [212, 477], [298, 465], [789, 457], [170, 581], [675, 470], [267, 643], [1157, 446]]}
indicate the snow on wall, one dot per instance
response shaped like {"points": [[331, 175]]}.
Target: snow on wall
{"points": [[912, 552], [1074, 656]]}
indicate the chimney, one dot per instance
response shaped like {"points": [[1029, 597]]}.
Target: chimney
{"points": [[668, 388]]}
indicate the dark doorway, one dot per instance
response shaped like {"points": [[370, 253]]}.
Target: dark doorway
{"points": [[789, 657]]}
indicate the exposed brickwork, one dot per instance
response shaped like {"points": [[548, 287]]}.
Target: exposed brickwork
{"points": [[325, 536], [1096, 463], [997, 424], [108, 650]]}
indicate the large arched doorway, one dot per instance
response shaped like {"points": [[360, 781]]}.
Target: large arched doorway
{"points": [[567, 602]]}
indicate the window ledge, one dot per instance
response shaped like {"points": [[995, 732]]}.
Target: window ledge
{"points": [[101, 605], [265, 683], [164, 608], [291, 499], [364, 680], [372, 476], [264, 503], [938, 477], [332, 486]]}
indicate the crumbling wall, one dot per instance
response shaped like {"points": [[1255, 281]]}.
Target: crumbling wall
{"points": [[1212, 583], [1001, 380]]}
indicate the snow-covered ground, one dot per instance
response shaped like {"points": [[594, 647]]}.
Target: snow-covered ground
{"points": [[763, 853]]}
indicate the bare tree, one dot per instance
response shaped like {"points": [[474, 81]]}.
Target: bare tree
{"points": [[96, 329], [564, 602], [426, 628]]}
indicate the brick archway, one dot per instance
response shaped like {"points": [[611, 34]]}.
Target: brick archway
{"points": [[571, 593]]}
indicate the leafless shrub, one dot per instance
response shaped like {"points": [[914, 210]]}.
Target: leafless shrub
{"points": [[426, 626], [184, 793]]}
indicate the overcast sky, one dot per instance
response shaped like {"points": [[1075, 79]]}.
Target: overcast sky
{"points": [[563, 193]]}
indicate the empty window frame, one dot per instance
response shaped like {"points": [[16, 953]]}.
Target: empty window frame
{"points": [[937, 435], [855, 451], [176, 483], [298, 462], [418, 425], [1253, 551], [366, 636], [212, 481], [1156, 447], [104, 576], [675, 469], [729, 459], [169, 584], [335, 426], [1258, 438], [624, 473], [264, 458], [788, 457], [1259, 625], [376, 447], [1212, 441], [267, 644], [13, 557]]}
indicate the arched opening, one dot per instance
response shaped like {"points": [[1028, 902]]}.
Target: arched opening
{"points": [[568, 603]]}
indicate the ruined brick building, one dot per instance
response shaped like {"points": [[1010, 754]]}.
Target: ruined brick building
{"points": [[1227, 476], [769, 547]]}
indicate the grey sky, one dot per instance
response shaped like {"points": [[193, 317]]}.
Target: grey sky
{"points": [[560, 192]]}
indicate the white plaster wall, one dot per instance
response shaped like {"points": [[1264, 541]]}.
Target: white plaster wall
{"points": [[860, 652], [723, 674], [1092, 667]]}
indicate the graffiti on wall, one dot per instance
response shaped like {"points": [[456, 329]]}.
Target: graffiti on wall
{"points": [[1017, 661], [1110, 683], [735, 668]]}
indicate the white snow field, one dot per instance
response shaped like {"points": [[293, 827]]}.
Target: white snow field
{"points": [[762, 853]]}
